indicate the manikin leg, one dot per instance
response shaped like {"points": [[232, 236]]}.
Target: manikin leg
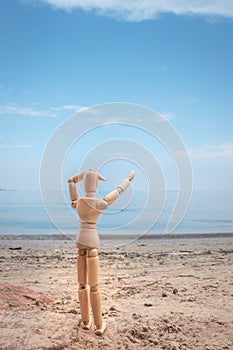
{"points": [[83, 293], [93, 281]]}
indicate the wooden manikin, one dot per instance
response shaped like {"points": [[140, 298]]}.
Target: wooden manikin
{"points": [[89, 208]]}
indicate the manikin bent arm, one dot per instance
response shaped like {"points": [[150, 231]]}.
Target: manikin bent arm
{"points": [[72, 188]]}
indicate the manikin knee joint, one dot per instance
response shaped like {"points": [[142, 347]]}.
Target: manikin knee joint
{"points": [[92, 253]]}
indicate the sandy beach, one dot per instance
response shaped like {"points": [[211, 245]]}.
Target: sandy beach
{"points": [[165, 294]]}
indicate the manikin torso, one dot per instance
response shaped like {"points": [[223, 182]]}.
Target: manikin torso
{"points": [[88, 212]]}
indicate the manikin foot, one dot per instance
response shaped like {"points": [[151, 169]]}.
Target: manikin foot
{"points": [[87, 324], [101, 330]]}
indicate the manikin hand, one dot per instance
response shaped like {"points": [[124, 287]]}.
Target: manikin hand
{"points": [[131, 175]]}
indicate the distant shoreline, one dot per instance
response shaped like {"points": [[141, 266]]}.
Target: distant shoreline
{"points": [[60, 237]]}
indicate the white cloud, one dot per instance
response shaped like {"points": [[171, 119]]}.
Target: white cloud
{"points": [[168, 116], [95, 116], [74, 108], [139, 10], [214, 150], [28, 111], [51, 112], [16, 146]]}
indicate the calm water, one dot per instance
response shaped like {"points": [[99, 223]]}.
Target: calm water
{"points": [[24, 213]]}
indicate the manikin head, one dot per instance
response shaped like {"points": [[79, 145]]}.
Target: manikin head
{"points": [[90, 181]]}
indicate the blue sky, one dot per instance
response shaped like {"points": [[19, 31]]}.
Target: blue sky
{"points": [[59, 56]]}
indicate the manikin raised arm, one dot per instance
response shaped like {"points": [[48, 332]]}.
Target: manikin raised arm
{"points": [[112, 196]]}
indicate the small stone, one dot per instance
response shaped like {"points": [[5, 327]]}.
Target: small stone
{"points": [[154, 341], [175, 291], [148, 304], [164, 294], [15, 248], [113, 308], [73, 311], [132, 339]]}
